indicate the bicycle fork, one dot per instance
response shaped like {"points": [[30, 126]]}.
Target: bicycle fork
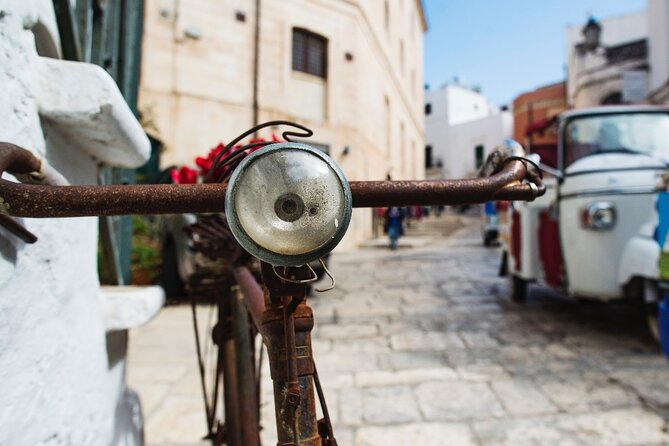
{"points": [[286, 326]]}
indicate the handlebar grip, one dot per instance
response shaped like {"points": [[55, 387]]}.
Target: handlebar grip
{"points": [[27, 168]]}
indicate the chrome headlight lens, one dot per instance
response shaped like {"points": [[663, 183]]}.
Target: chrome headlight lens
{"points": [[288, 204], [599, 216]]}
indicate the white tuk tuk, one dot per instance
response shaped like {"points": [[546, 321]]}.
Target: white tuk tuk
{"points": [[594, 234]]}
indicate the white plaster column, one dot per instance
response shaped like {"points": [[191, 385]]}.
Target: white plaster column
{"points": [[56, 372]]}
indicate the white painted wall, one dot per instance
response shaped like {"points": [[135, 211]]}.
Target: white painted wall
{"points": [[658, 42], [61, 372], [456, 104], [462, 119]]}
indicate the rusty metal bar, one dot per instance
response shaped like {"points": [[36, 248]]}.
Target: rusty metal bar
{"points": [[40, 201], [290, 357], [248, 400], [227, 354], [443, 192], [254, 297], [15, 228]]}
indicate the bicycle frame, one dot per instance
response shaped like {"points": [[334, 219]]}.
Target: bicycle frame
{"points": [[281, 314]]}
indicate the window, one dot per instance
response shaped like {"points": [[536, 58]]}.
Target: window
{"points": [[642, 133], [478, 153], [428, 157], [402, 56], [386, 12], [310, 53], [613, 99], [428, 109]]}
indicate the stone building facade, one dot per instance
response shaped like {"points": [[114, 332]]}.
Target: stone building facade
{"points": [[613, 72], [350, 70], [534, 119], [658, 42]]}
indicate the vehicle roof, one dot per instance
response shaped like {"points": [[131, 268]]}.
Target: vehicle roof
{"points": [[613, 109]]}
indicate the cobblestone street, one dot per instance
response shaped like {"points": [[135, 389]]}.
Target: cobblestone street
{"points": [[423, 347]]}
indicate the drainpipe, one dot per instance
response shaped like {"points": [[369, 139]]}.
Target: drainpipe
{"points": [[256, 66]]}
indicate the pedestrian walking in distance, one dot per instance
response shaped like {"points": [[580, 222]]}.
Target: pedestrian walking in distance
{"points": [[394, 228]]}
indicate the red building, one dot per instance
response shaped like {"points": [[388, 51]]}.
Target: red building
{"points": [[534, 120]]}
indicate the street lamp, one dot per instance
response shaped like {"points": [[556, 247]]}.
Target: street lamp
{"points": [[592, 32]]}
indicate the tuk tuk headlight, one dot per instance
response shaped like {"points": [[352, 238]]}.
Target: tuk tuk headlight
{"points": [[288, 204], [599, 216]]}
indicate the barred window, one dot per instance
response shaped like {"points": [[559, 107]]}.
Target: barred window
{"points": [[310, 53]]}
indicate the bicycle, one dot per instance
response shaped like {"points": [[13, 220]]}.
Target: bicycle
{"points": [[322, 204]]}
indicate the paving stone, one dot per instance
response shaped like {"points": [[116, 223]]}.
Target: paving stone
{"points": [[320, 345], [427, 310], [389, 405], [423, 434], [650, 384], [370, 312], [178, 419], [407, 376], [584, 392], [521, 397], [350, 407], [482, 372], [344, 436], [478, 339], [334, 380], [560, 351], [419, 340], [348, 362], [620, 427], [525, 432], [369, 345], [412, 359], [152, 396], [346, 331], [154, 375], [457, 401], [332, 401], [397, 327]]}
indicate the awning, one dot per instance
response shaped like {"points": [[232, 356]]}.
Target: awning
{"points": [[539, 126]]}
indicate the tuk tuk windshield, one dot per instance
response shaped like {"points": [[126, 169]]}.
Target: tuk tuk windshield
{"points": [[644, 133]]}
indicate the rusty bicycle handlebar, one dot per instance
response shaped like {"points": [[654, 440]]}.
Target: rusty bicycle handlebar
{"points": [[48, 200]]}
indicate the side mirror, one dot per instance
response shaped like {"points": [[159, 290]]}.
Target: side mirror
{"points": [[534, 157]]}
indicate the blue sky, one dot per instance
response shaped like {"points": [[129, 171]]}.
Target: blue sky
{"points": [[506, 46]]}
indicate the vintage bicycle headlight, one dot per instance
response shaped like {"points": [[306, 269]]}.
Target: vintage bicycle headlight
{"points": [[288, 204], [599, 216]]}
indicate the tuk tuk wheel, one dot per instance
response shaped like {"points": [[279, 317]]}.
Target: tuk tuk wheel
{"points": [[652, 320], [517, 288], [650, 295]]}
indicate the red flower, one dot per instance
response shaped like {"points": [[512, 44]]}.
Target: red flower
{"points": [[184, 175]]}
